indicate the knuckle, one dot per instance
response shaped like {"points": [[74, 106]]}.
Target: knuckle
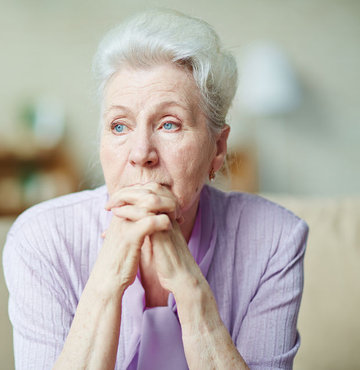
{"points": [[152, 185], [152, 200], [164, 220], [143, 212], [156, 186], [150, 222]]}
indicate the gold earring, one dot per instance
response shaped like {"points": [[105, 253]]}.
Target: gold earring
{"points": [[212, 175]]}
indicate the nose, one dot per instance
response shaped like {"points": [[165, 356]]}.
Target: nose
{"points": [[143, 151]]}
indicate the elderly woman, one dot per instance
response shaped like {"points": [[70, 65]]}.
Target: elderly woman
{"points": [[156, 270]]}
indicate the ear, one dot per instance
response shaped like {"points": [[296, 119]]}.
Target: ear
{"points": [[221, 148]]}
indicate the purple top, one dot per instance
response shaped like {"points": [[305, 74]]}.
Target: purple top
{"points": [[249, 249]]}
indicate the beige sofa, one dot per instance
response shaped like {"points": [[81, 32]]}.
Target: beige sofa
{"points": [[329, 321]]}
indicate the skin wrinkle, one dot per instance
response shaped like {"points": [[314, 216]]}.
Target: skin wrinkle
{"points": [[156, 112], [162, 105], [143, 112], [181, 158], [184, 101]]}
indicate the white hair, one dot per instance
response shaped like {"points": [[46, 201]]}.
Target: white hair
{"points": [[159, 36]]}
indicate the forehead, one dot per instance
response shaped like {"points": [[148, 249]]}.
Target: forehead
{"points": [[136, 88]]}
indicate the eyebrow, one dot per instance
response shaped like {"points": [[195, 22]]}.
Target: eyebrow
{"points": [[115, 107], [162, 105]]}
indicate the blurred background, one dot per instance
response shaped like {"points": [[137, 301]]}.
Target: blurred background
{"points": [[295, 122]]}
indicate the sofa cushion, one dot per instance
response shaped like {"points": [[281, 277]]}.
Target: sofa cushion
{"points": [[329, 319]]}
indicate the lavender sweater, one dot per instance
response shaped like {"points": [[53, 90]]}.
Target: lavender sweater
{"points": [[254, 267]]}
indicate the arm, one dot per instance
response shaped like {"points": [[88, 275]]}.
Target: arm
{"points": [[42, 298], [207, 342], [268, 336], [93, 338], [202, 328], [44, 307], [37, 301]]}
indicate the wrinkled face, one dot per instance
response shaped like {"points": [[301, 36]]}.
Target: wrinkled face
{"points": [[154, 130]]}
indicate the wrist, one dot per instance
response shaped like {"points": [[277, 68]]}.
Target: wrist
{"points": [[197, 309], [104, 286]]}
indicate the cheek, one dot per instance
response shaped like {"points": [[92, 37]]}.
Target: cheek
{"points": [[110, 163], [192, 163], [198, 157], [105, 154]]}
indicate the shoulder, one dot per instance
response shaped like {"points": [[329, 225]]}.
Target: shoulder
{"points": [[52, 246], [60, 228], [67, 207], [250, 225], [233, 208], [256, 239], [58, 239]]}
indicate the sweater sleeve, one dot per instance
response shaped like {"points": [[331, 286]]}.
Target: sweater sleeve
{"points": [[39, 306], [268, 337]]}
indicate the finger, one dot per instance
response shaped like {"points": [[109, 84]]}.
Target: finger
{"points": [[131, 213], [132, 193], [150, 225], [167, 259], [164, 191], [160, 204], [134, 233], [125, 196], [153, 203], [158, 188]]}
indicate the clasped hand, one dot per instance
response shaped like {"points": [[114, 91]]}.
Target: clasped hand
{"points": [[147, 215]]}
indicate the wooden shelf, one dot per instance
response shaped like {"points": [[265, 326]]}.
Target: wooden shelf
{"points": [[37, 176]]}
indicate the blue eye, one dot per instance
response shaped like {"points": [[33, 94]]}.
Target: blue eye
{"points": [[168, 125], [119, 128]]}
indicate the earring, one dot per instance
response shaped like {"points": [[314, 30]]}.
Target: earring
{"points": [[212, 175]]}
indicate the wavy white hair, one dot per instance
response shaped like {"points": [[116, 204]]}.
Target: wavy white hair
{"points": [[159, 36]]}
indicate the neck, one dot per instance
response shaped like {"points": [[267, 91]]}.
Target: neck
{"points": [[189, 220]]}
